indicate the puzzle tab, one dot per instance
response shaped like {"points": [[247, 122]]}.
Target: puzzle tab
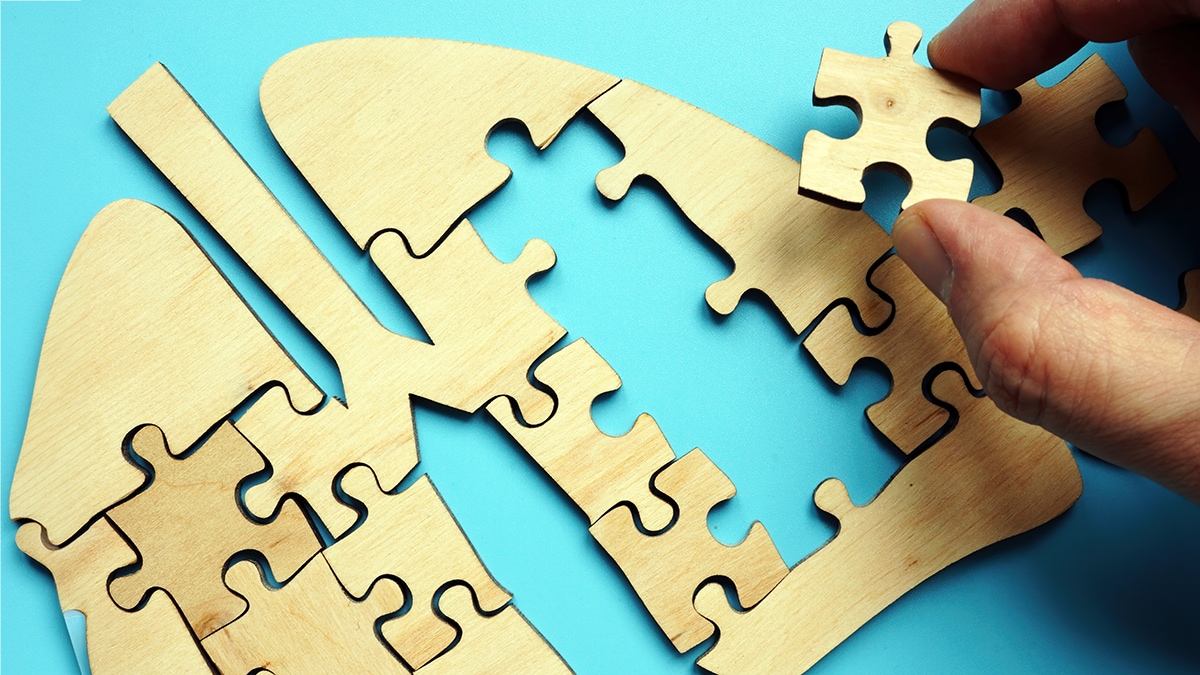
{"points": [[1049, 153], [666, 569], [1190, 290], [897, 101]]}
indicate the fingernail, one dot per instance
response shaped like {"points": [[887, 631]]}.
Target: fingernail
{"points": [[919, 247]]}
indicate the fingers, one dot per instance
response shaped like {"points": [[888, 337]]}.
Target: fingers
{"points": [[1106, 369], [1004, 43], [1169, 59]]}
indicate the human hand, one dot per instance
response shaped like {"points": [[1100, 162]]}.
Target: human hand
{"points": [[1108, 370]]}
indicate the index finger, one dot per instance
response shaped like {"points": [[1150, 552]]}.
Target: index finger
{"points": [[1004, 43]]}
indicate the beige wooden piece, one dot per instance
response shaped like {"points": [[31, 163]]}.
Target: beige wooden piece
{"points": [[919, 337], [666, 569], [1049, 153], [990, 478], [309, 625], [503, 643], [152, 640], [597, 471], [391, 132], [741, 192], [413, 537], [143, 330], [486, 329], [898, 101], [1190, 302], [187, 524]]}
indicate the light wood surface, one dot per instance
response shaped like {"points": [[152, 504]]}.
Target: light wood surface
{"points": [[1049, 153], [897, 101], [187, 524], [990, 478], [143, 330], [666, 569], [503, 643], [597, 471], [1189, 304], [154, 639], [919, 337], [391, 132], [486, 329], [308, 626], [413, 537], [741, 192]]}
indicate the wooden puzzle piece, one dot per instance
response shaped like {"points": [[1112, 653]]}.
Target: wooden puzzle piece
{"points": [[503, 643], [153, 639], [310, 625], [413, 537], [1049, 153], [897, 101], [1189, 285], [486, 329], [187, 525], [992, 477], [666, 569], [391, 132], [919, 337], [803, 254], [143, 329], [597, 471]]}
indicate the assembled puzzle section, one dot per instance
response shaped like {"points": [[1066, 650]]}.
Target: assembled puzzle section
{"points": [[992, 477], [1049, 153], [897, 101]]}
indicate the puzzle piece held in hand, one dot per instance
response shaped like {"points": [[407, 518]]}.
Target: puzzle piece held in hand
{"points": [[919, 337], [1049, 153], [802, 253], [992, 477], [666, 569], [502, 643], [187, 524], [309, 625], [413, 537], [597, 471], [898, 101], [153, 639]]}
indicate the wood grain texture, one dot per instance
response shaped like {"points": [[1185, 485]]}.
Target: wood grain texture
{"points": [[143, 330], [1189, 284], [919, 337], [391, 132], [666, 569], [502, 643], [187, 525], [1049, 153], [803, 254], [413, 537], [897, 101], [990, 478], [154, 639], [308, 626], [597, 471], [486, 329]]}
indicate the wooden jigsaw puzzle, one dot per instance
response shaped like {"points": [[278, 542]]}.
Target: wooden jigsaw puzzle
{"points": [[328, 564]]}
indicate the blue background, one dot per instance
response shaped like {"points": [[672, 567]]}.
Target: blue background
{"points": [[1110, 587]]}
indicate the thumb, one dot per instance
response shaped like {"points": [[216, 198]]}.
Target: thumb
{"points": [[1108, 370]]}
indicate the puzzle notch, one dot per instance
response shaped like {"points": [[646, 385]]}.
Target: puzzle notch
{"points": [[161, 639], [410, 536], [740, 192], [1049, 152], [597, 471], [897, 101], [666, 569], [196, 500], [920, 337]]}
